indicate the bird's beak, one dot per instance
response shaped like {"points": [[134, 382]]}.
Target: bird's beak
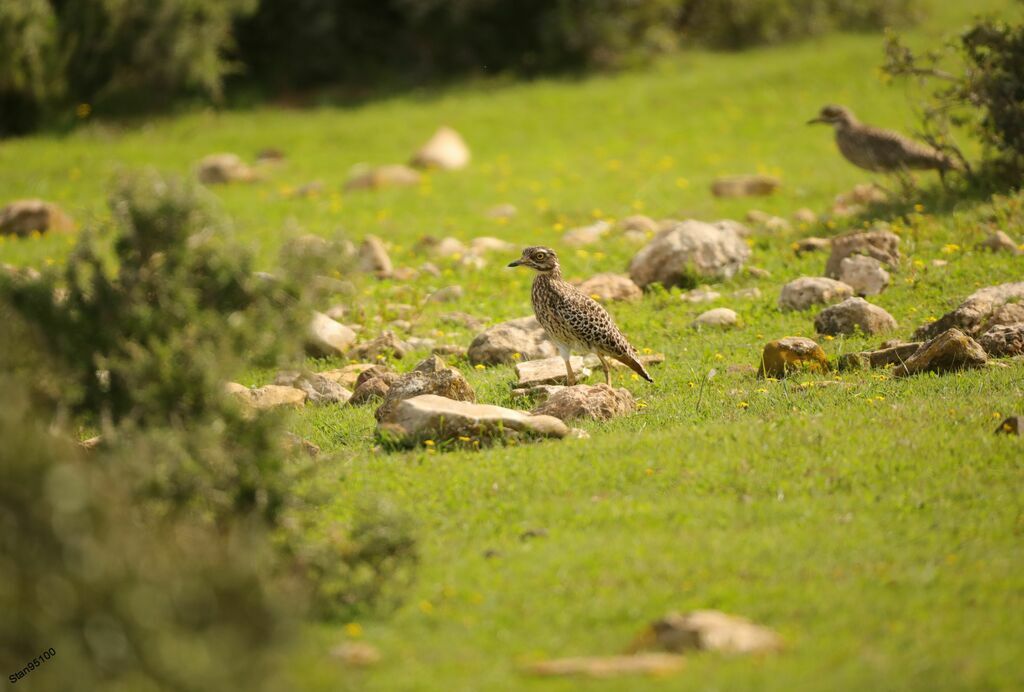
{"points": [[516, 263], [814, 121]]}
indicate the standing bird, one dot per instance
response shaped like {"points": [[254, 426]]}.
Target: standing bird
{"points": [[572, 320], [878, 150]]}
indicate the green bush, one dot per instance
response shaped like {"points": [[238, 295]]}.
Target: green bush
{"points": [[742, 23], [976, 82], [125, 600], [29, 75]]}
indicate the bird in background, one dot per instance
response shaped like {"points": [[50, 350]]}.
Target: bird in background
{"points": [[573, 320], [881, 151]]}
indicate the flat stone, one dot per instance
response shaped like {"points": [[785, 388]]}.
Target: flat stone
{"points": [[720, 318], [700, 295], [880, 358], [789, 354], [804, 215], [812, 244], [1004, 340], [348, 375], [549, 371], [318, 389], [949, 351], [802, 293], [597, 402], [365, 177], [432, 417], [611, 287], [745, 186], [655, 664], [853, 315], [266, 397], [707, 630], [219, 169]]}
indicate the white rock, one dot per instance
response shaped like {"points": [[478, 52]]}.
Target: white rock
{"points": [[721, 318], [327, 337], [864, 274], [689, 251], [802, 293], [501, 343], [446, 150]]}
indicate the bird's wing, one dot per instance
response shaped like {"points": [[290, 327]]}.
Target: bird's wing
{"points": [[898, 150], [596, 323]]}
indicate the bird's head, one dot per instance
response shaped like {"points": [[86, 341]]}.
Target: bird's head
{"points": [[834, 115], [543, 259]]}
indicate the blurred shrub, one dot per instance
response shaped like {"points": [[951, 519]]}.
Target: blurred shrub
{"points": [[742, 23], [29, 78], [975, 81], [55, 54], [126, 601], [137, 341]]}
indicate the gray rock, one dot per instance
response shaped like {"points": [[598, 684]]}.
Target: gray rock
{"points": [[688, 252], [791, 353], [483, 244], [812, 244], [802, 293], [880, 358], [700, 295], [598, 402], [23, 216], [500, 343], [852, 315], [707, 630], [586, 235], [372, 384], [223, 168], [745, 186], [448, 294], [430, 376], [949, 351], [864, 274], [266, 397], [611, 287], [1008, 313], [387, 344], [805, 215], [318, 388], [999, 241], [975, 313], [720, 318], [327, 337], [768, 221], [1003, 340], [348, 375], [373, 258], [363, 177], [752, 293], [884, 246], [432, 417]]}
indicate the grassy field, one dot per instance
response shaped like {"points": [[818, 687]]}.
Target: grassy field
{"points": [[878, 524]]}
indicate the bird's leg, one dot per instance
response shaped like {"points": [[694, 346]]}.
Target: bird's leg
{"points": [[570, 376], [607, 372], [906, 179]]}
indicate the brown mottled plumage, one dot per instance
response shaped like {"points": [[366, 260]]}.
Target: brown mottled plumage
{"points": [[878, 150], [574, 321]]}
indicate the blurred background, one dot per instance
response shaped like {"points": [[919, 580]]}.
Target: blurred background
{"points": [[68, 58]]}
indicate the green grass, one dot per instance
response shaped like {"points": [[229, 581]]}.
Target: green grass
{"points": [[876, 523]]}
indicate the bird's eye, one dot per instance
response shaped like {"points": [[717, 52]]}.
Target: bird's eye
{"points": [[538, 255]]}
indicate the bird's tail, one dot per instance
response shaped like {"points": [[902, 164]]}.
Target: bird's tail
{"points": [[635, 365]]}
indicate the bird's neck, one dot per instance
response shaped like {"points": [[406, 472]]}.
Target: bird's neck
{"points": [[550, 275], [846, 125]]}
